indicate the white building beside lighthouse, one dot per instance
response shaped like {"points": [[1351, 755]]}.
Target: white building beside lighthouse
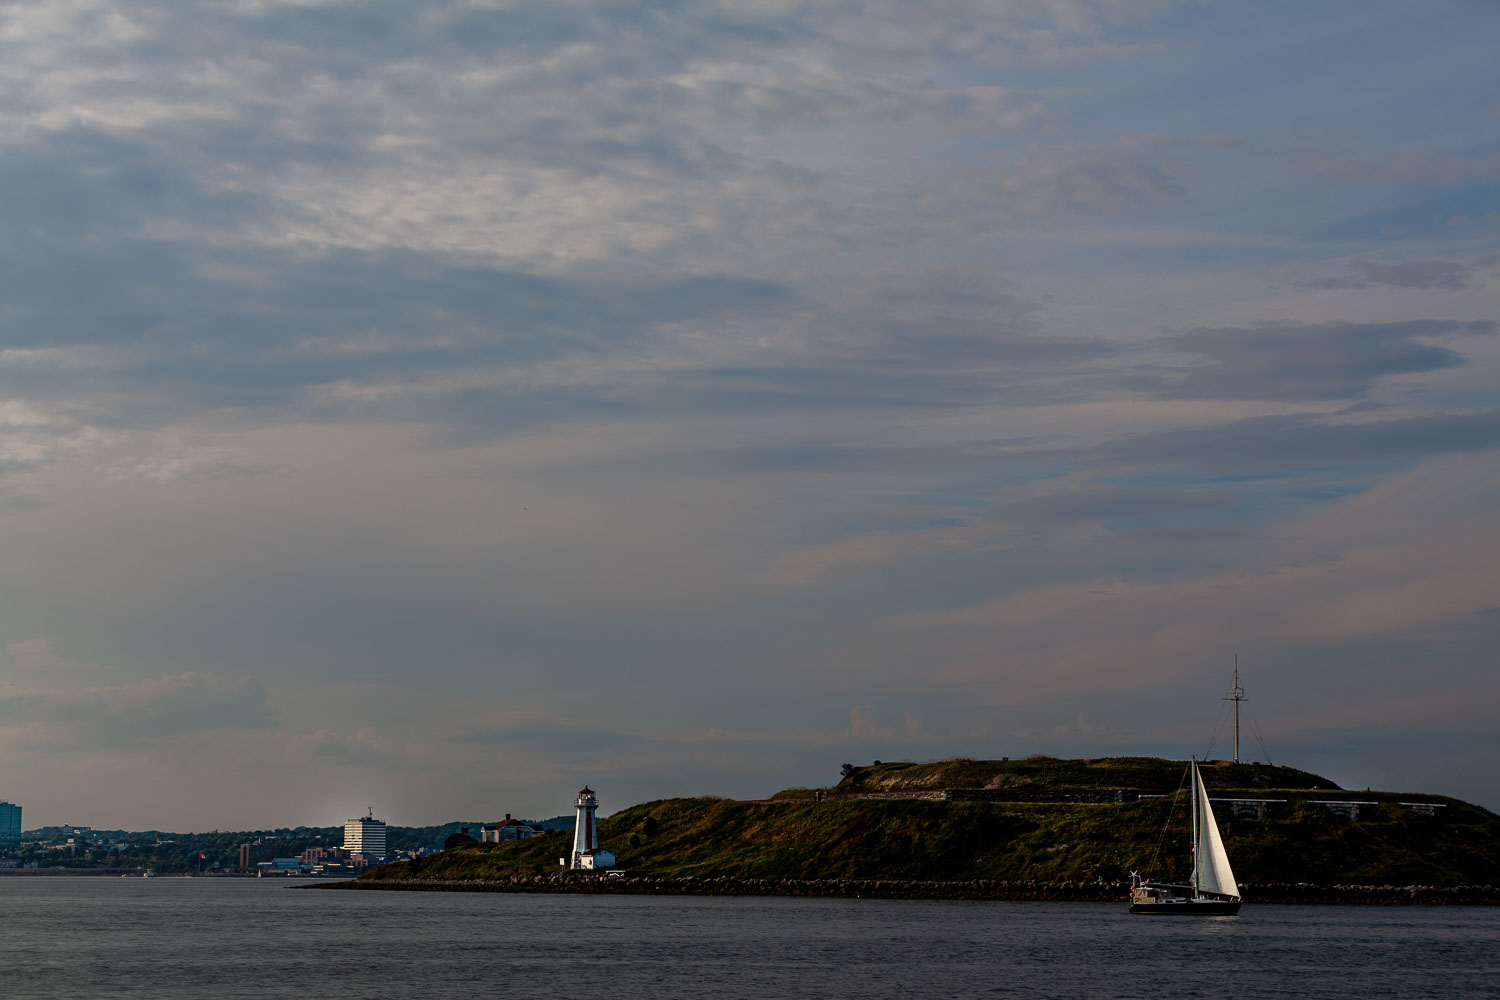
{"points": [[586, 852]]}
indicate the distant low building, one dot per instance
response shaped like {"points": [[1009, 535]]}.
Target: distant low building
{"points": [[596, 859], [254, 853], [458, 839], [508, 830], [315, 854]]}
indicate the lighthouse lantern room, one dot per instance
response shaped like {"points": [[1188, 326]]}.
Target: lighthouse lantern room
{"points": [[586, 852]]}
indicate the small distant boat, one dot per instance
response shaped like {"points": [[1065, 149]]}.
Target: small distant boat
{"points": [[148, 873], [1213, 891]]}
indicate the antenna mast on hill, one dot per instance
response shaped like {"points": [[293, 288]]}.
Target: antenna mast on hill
{"points": [[1236, 695]]}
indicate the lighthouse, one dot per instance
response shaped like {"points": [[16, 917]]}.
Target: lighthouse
{"points": [[586, 853]]}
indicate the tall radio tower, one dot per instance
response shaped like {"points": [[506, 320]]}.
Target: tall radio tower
{"points": [[1236, 694]]}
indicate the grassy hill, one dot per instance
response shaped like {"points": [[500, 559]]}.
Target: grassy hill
{"points": [[792, 836], [1146, 774]]}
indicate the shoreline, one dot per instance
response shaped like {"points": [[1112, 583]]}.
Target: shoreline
{"points": [[1085, 891]]}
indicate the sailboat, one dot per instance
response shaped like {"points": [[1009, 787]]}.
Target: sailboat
{"points": [[1213, 891]]}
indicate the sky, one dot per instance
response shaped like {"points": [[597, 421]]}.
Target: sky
{"points": [[440, 406]]}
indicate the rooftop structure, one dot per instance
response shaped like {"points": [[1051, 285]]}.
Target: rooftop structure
{"points": [[508, 830]]}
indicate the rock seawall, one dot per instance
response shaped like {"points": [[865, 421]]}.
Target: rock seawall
{"points": [[1090, 890]]}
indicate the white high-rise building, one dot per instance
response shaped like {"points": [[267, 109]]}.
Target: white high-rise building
{"points": [[366, 835]]}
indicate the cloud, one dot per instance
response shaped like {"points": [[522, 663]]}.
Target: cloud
{"points": [[1105, 181], [1401, 563], [1285, 441], [864, 727], [1104, 504], [21, 504], [1449, 275], [133, 716], [363, 748], [1289, 361], [1441, 168], [497, 219], [37, 658], [533, 137], [565, 738], [493, 380], [32, 438]]}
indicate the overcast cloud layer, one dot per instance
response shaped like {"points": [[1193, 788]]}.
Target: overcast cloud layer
{"points": [[440, 406]]}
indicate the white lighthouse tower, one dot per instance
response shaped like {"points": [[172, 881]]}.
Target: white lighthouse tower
{"points": [[586, 853]]}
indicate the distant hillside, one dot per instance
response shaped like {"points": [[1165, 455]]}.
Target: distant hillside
{"points": [[794, 836]]}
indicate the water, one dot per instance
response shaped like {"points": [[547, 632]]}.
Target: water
{"points": [[227, 938]]}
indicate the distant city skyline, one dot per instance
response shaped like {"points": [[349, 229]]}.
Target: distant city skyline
{"points": [[448, 406]]}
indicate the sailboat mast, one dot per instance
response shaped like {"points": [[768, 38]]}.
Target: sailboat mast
{"points": [[1196, 859]]}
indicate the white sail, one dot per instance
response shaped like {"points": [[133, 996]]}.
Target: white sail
{"points": [[1213, 873]]}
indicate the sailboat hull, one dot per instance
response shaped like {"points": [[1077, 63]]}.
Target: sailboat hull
{"points": [[1189, 908]]}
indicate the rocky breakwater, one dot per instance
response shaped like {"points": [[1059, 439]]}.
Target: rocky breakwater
{"points": [[1083, 890], [1089, 890], [1373, 895]]}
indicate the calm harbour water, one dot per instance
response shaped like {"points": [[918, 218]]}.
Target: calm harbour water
{"points": [[221, 938]]}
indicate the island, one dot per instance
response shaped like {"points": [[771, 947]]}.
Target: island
{"points": [[1036, 828]]}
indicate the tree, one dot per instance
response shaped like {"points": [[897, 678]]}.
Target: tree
{"points": [[846, 770]]}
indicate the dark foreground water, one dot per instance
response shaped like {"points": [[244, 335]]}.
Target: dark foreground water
{"points": [[223, 938]]}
